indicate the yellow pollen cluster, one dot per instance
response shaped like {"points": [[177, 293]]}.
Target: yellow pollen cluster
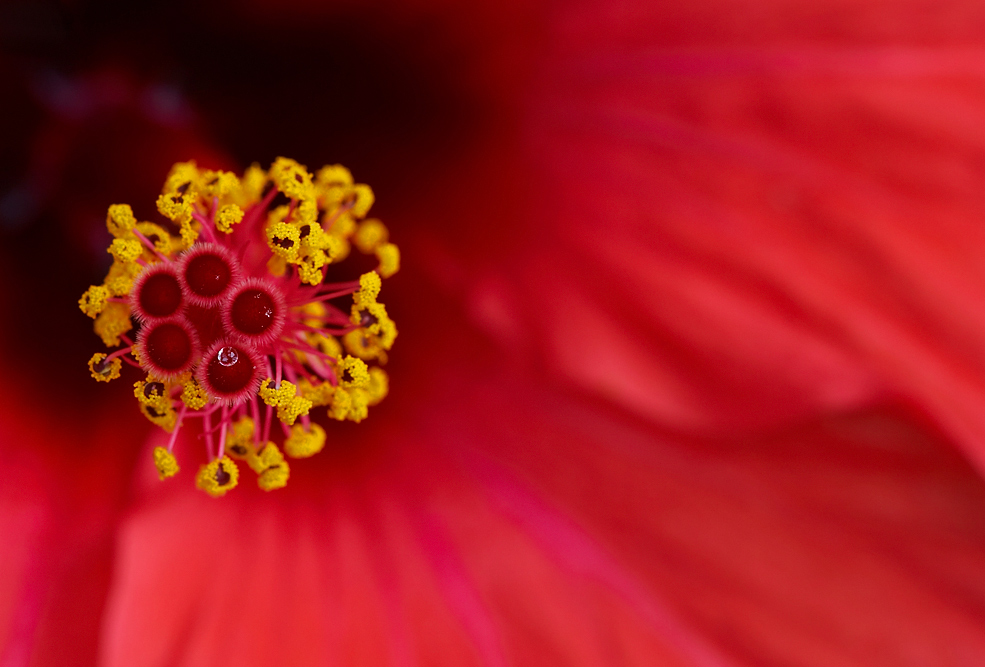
{"points": [[102, 370], [375, 332], [125, 250], [228, 215], [304, 443], [289, 405], [217, 477], [353, 373], [267, 462], [166, 463], [239, 441], [271, 468], [371, 237], [154, 397], [94, 300], [193, 395], [295, 235], [113, 322]]}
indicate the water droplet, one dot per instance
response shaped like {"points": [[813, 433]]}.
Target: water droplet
{"points": [[227, 356]]}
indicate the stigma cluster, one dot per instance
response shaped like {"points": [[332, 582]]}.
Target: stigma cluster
{"points": [[235, 322]]}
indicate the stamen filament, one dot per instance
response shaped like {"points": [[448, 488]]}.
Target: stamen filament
{"points": [[177, 427], [255, 409], [222, 434], [207, 421], [119, 353], [147, 242], [206, 226], [335, 295], [131, 362]]}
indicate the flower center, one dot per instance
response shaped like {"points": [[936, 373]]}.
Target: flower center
{"points": [[243, 281]]}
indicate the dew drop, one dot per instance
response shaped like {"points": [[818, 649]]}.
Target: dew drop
{"points": [[227, 356]]}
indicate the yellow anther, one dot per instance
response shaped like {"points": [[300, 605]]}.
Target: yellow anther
{"points": [[102, 370], [277, 266], [289, 405], [339, 224], [319, 394], [388, 333], [156, 235], [338, 199], [189, 232], [125, 250], [217, 477], [389, 256], [302, 212], [362, 200], [379, 385], [112, 322], [228, 215], [310, 264], [217, 183], [336, 249], [193, 395], [181, 178], [371, 317], [370, 235], [251, 185], [278, 214], [288, 411], [355, 199], [162, 414], [271, 467], [353, 373], [273, 395], [152, 392], [284, 240], [341, 402], [268, 463], [119, 280], [239, 440], [292, 179], [252, 457], [120, 220], [377, 327], [167, 464], [312, 235], [339, 232], [313, 309], [334, 175], [369, 289], [327, 344], [120, 284], [364, 346], [274, 477], [303, 443], [359, 408], [306, 212], [93, 301], [270, 456], [175, 206]]}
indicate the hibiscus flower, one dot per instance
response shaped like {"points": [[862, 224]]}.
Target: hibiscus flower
{"points": [[689, 370]]}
